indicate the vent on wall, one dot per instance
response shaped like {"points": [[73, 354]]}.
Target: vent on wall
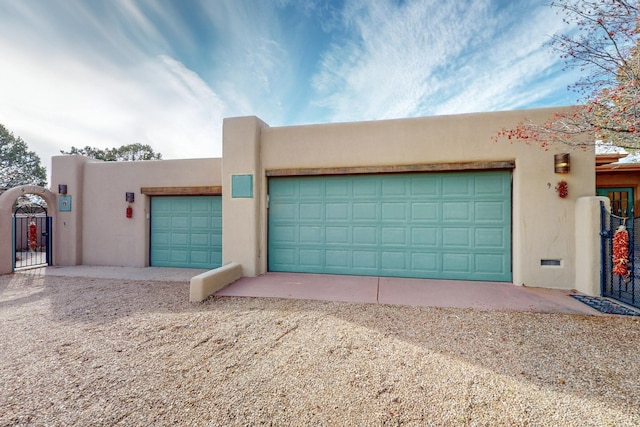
{"points": [[550, 262]]}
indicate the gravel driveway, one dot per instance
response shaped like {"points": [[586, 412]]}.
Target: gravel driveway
{"points": [[78, 351]]}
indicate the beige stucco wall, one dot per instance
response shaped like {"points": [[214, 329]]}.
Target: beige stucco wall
{"points": [[241, 217], [543, 224], [107, 237], [67, 237]]}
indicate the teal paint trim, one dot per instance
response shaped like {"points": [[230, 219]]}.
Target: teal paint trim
{"points": [[242, 186]]}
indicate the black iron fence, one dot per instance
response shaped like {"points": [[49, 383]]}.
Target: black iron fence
{"points": [[620, 282]]}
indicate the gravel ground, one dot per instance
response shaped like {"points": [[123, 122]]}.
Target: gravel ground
{"points": [[80, 351]]}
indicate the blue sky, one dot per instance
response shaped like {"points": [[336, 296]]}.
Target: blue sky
{"points": [[166, 72]]}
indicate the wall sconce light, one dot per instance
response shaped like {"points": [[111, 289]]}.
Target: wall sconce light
{"points": [[561, 163], [62, 189], [129, 197]]}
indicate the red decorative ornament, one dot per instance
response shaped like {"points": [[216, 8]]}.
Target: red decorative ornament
{"points": [[33, 235], [621, 252], [563, 190]]}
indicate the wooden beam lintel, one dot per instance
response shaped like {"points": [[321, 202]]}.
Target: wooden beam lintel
{"points": [[431, 167], [213, 190]]}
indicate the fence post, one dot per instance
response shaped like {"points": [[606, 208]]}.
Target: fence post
{"points": [[587, 278]]}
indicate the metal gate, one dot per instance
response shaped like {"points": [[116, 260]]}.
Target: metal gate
{"points": [[31, 237], [619, 285]]}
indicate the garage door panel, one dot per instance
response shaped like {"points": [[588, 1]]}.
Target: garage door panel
{"points": [[421, 211], [425, 185], [202, 240], [456, 263], [202, 223], [179, 222], [425, 262], [456, 211], [311, 235], [394, 236], [201, 257], [365, 260], [365, 235], [310, 212], [163, 223], [337, 235], [310, 257], [491, 238], [432, 225], [424, 237], [179, 239], [286, 211], [162, 255], [396, 260], [490, 263], [457, 185], [284, 257], [337, 258], [365, 188], [179, 256], [491, 186], [162, 238], [310, 189], [394, 211], [198, 205], [284, 233], [365, 211], [186, 231], [338, 211], [339, 188], [394, 186], [490, 211], [456, 237]]}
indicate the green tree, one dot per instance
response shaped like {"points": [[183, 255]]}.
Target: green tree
{"points": [[606, 48], [130, 152], [18, 165]]}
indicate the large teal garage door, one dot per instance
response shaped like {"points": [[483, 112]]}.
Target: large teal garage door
{"points": [[186, 231], [427, 225]]}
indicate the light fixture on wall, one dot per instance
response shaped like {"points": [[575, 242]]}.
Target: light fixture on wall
{"points": [[561, 163], [62, 189], [129, 197]]}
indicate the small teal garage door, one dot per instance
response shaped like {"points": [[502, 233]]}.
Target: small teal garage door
{"points": [[186, 231], [427, 225]]}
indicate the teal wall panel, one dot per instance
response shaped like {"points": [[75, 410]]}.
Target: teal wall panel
{"points": [[431, 225], [186, 231], [242, 186]]}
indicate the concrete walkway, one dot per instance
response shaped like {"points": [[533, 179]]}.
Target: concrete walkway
{"points": [[415, 292], [360, 289], [163, 274]]}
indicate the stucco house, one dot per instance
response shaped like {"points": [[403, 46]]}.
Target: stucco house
{"points": [[433, 197]]}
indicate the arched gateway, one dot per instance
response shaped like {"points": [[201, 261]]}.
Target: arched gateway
{"points": [[7, 200]]}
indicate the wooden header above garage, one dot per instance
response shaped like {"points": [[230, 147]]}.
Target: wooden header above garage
{"points": [[214, 190], [433, 167]]}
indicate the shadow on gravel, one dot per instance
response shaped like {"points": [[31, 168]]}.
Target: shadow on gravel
{"points": [[594, 358]]}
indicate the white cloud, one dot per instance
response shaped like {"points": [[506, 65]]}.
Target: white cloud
{"points": [[433, 57], [393, 64], [57, 94], [56, 103]]}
